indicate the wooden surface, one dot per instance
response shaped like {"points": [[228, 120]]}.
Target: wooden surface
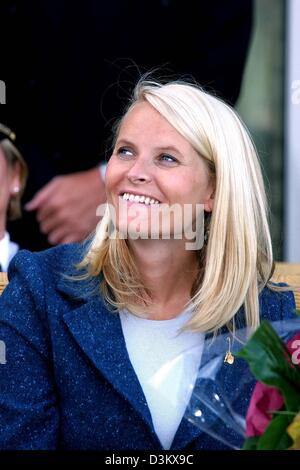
{"points": [[284, 272], [289, 273], [3, 281]]}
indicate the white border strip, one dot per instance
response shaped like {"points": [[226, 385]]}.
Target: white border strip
{"points": [[292, 136]]}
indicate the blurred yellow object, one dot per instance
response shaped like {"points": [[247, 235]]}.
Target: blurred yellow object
{"points": [[3, 282], [294, 431], [290, 274]]}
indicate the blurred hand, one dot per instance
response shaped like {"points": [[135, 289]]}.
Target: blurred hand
{"points": [[66, 206]]}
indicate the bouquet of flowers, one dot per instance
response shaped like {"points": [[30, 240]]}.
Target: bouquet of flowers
{"points": [[262, 411], [273, 417]]}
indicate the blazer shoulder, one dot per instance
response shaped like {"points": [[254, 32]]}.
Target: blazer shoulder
{"points": [[39, 273], [62, 258]]}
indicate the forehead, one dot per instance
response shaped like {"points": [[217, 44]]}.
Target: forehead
{"points": [[146, 117], [143, 123]]}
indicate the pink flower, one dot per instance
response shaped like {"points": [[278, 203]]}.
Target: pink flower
{"points": [[266, 400]]}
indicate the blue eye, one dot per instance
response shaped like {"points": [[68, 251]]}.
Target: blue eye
{"points": [[127, 152], [169, 157], [124, 151]]}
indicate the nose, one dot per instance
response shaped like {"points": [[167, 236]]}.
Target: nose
{"points": [[139, 172]]}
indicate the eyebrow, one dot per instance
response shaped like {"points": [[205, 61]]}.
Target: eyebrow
{"points": [[164, 149]]}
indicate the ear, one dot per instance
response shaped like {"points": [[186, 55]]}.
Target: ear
{"points": [[209, 203], [15, 181]]}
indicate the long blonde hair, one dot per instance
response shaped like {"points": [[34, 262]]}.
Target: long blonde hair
{"points": [[237, 261]]}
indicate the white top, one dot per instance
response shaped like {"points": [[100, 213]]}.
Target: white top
{"points": [[166, 363], [8, 250]]}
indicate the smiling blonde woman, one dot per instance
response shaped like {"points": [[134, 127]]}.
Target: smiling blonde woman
{"points": [[105, 339], [237, 261]]}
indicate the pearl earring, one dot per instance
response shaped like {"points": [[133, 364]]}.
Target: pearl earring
{"points": [[16, 189]]}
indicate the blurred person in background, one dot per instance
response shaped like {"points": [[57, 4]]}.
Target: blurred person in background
{"points": [[81, 62], [13, 174]]}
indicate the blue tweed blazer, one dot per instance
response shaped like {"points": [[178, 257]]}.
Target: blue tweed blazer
{"points": [[68, 382]]}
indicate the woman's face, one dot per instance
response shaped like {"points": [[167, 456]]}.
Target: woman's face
{"points": [[9, 181], [151, 159]]}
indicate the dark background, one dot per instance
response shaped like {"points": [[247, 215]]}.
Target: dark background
{"points": [[69, 68]]}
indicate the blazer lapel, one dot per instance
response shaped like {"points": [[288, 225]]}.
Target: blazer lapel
{"points": [[98, 332]]}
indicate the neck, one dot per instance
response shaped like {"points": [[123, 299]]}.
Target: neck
{"points": [[168, 270]]}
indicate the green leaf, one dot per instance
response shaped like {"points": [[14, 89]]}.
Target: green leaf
{"points": [[250, 443], [275, 436], [268, 357]]}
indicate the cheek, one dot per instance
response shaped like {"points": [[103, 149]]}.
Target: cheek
{"points": [[184, 189], [4, 194], [193, 189], [5, 183], [5, 178], [112, 176]]}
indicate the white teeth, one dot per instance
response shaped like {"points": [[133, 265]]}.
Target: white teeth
{"points": [[142, 199]]}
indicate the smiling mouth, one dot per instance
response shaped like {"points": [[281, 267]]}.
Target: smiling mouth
{"points": [[141, 199]]}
